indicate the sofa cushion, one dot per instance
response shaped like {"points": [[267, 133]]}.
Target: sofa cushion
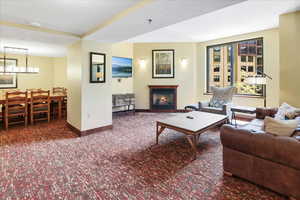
{"points": [[257, 122], [286, 110], [280, 127], [279, 149]]}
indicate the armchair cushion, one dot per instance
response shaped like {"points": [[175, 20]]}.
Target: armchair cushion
{"points": [[221, 96], [203, 104]]}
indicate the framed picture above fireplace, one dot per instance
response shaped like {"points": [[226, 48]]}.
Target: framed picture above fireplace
{"points": [[163, 63]]}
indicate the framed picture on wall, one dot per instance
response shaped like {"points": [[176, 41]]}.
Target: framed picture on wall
{"points": [[8, 80], [97, 67], [163, 63]]}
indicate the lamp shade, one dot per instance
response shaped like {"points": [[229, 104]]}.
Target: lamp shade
{"points": [[256, 80]]}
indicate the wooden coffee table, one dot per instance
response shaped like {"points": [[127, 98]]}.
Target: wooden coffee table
{"points": [[192, 124]]}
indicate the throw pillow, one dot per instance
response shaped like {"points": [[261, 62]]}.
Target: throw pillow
{"points": [[285, 110], [280, 127], [221, 96]]}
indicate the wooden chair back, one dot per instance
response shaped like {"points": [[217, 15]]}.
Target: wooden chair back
{"points": [[12, 90], [40, 103], [58, 90], [33, 89], [16, 105]]}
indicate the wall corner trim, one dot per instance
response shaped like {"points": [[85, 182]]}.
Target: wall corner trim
{"points": [[90, 131]]}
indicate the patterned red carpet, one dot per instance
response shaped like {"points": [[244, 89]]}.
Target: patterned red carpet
{"points": [[48, 161]]}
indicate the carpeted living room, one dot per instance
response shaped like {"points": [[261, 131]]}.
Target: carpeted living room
{"points": [[149, 99]]}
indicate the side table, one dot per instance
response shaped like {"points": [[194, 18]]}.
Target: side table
{"points": [[241, 109]]}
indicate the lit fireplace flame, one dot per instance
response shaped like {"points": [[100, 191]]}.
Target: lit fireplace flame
{"points": [[163, 100]]}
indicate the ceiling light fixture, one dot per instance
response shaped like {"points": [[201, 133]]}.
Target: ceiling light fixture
{"points": [[17, 69], [35, 24]]}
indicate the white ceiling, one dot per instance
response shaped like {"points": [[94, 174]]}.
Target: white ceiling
{"points": [[173, 21], [74, 16], [38, 43], [245, 17], [162, 12]]}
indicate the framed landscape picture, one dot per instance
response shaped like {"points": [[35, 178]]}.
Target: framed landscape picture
{"points": [[97, 67], [163, 63], [8, 80], [121, 67]]}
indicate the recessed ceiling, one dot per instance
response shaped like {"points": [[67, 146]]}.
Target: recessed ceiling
{"points": [[162, 13], [173, 21], [245, 17], [38, 43]]}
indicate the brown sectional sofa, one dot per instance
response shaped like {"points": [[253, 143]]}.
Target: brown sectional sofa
{"points": [[262, 158]]}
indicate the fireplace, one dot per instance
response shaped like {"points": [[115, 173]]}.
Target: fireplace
{"points": [[163, 98]]}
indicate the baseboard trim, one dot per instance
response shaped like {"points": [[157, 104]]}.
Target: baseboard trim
{"points": [[161, 111], [90, 131], [74, 129]]}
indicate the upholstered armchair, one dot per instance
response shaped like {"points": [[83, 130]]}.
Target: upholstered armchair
{"points": [[220, 103]]}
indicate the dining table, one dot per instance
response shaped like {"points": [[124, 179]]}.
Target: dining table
{"points": [[54, 97]]}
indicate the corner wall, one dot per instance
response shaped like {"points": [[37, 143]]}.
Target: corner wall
{"points": [[89, 104], [60, 72], [289, 30], [96, 97], [74, 73]]}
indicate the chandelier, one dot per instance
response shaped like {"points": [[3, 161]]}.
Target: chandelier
{"points": [[17, 69]]}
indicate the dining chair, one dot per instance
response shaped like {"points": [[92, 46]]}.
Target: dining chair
{"points": [[58, 90], [33, 89], [16, 108], [55, 104], [40, 105]]}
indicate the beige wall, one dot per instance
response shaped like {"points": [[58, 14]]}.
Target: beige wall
{"points": [[44, 79], [74, 74], [126, 84], [60, 72], [96, 97], [289, 30], [271, 67], [184, 75], [192, 78], [89, 104], [53, 72]]}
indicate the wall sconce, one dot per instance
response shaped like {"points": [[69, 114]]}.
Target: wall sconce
{"points": [[184, 62], [142, 63]]}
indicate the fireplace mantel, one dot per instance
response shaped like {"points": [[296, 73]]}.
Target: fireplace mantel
{"points": [[163, 98], [163, 86]]}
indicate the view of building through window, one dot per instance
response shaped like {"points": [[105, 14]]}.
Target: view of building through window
{"points": [[230, 64]]}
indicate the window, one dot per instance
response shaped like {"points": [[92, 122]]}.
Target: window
{"points": [[216, 78], [243, 58], [229, 78], [217, 68], [231, 63], [244, 68], [217, 54], [250, 69], [250, 58]]}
